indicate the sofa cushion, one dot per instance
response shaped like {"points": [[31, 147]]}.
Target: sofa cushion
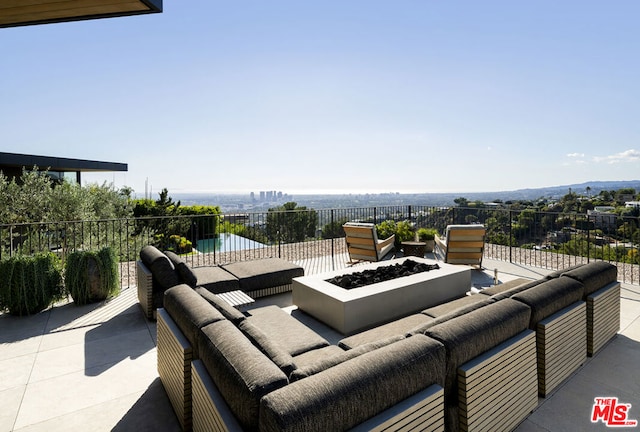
{"points": [[228, 311], [337, 358], [269, 346], [264, 273], [559, 272], [163, 271], [509, 289], [242, 373], [182, 268], [290, 334], [353, 391], [594, 275], [459, 306], [399, 327], [215, 279], [549, 297], [189, 311], [315, 356]]}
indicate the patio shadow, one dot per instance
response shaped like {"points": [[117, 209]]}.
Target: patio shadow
{"points": [[152, 412]]}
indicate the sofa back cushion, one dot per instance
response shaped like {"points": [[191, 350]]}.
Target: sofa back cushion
{"points": [[163, 271], [559, 272], [242, 373], [184, 271], [228, 311], [189, 311], [508, 289], [549, 297], [469, 335], [353, 391], [594, 275]]}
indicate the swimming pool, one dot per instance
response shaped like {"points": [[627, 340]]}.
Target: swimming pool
{"points": [[226, 242]]}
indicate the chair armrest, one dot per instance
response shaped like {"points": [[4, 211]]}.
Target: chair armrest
{"points": [[386, 242]]}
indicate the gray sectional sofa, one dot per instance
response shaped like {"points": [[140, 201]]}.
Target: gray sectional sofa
{"points": [[479, 362], [158, 271]]}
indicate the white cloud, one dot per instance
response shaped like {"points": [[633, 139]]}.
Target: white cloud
{"points": [[630, 155], [575, 155]]}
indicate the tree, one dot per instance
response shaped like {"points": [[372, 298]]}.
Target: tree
{"points": [[289, 223], [164, 223], [461, 202]]}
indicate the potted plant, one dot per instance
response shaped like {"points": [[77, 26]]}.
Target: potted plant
{"points": [[427, 235], [92, 276], [403, 231], [29, 284]]}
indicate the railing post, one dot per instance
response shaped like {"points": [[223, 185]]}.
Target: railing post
{"points": [[409, 211], [510, 236], [588, 241], [333, 253]]}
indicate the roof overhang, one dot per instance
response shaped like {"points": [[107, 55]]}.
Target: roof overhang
{"points": [[28, 12], [15, 160]]}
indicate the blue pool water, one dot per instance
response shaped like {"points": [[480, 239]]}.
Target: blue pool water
{"points": [[227, 243]]}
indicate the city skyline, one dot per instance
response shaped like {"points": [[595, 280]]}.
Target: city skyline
{"points": [[334, 97]]}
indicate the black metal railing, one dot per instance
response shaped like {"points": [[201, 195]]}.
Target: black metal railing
{"points": [[534, 238]]}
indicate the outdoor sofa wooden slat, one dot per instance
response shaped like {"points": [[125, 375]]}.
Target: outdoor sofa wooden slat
{"points": [[603, 316], [486, 404], [174, 366], [210, 412], [424, 411], [270, 291], [145, 290], [562, 346]]}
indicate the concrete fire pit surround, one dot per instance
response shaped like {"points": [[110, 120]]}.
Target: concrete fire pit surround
{"points": [[351, 310]]}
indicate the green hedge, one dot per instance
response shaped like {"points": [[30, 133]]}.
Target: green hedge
{"points": [[92, 276], [29, 284]]}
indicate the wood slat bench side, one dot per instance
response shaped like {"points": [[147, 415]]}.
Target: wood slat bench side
{"points": [[562, 345], [174, 367], [485, 402]]}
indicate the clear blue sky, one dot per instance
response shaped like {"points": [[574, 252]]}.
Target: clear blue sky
{"points": [[334, 96]]}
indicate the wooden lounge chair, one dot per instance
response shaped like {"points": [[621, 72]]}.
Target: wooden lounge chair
{"points": [[363, 243], [462, 244]]}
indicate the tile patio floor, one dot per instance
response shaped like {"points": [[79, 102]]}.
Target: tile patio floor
{"points": [[93, 368]]}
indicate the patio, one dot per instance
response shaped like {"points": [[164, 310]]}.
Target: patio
{"points": [[94, 367]]}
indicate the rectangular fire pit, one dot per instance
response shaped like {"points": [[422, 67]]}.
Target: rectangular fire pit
{"points": [[352, 310]]}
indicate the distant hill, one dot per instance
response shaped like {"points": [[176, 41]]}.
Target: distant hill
{"points": [[446, 199], [555, 192], [230, 202]]}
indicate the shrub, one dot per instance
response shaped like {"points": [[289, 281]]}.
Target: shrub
{"points": [[403, 231], [179, 244], [92, 276], [425, 234], [29, 284]]}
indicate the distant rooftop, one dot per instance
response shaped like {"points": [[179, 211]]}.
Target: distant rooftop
{"points": [[11, 164]]}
